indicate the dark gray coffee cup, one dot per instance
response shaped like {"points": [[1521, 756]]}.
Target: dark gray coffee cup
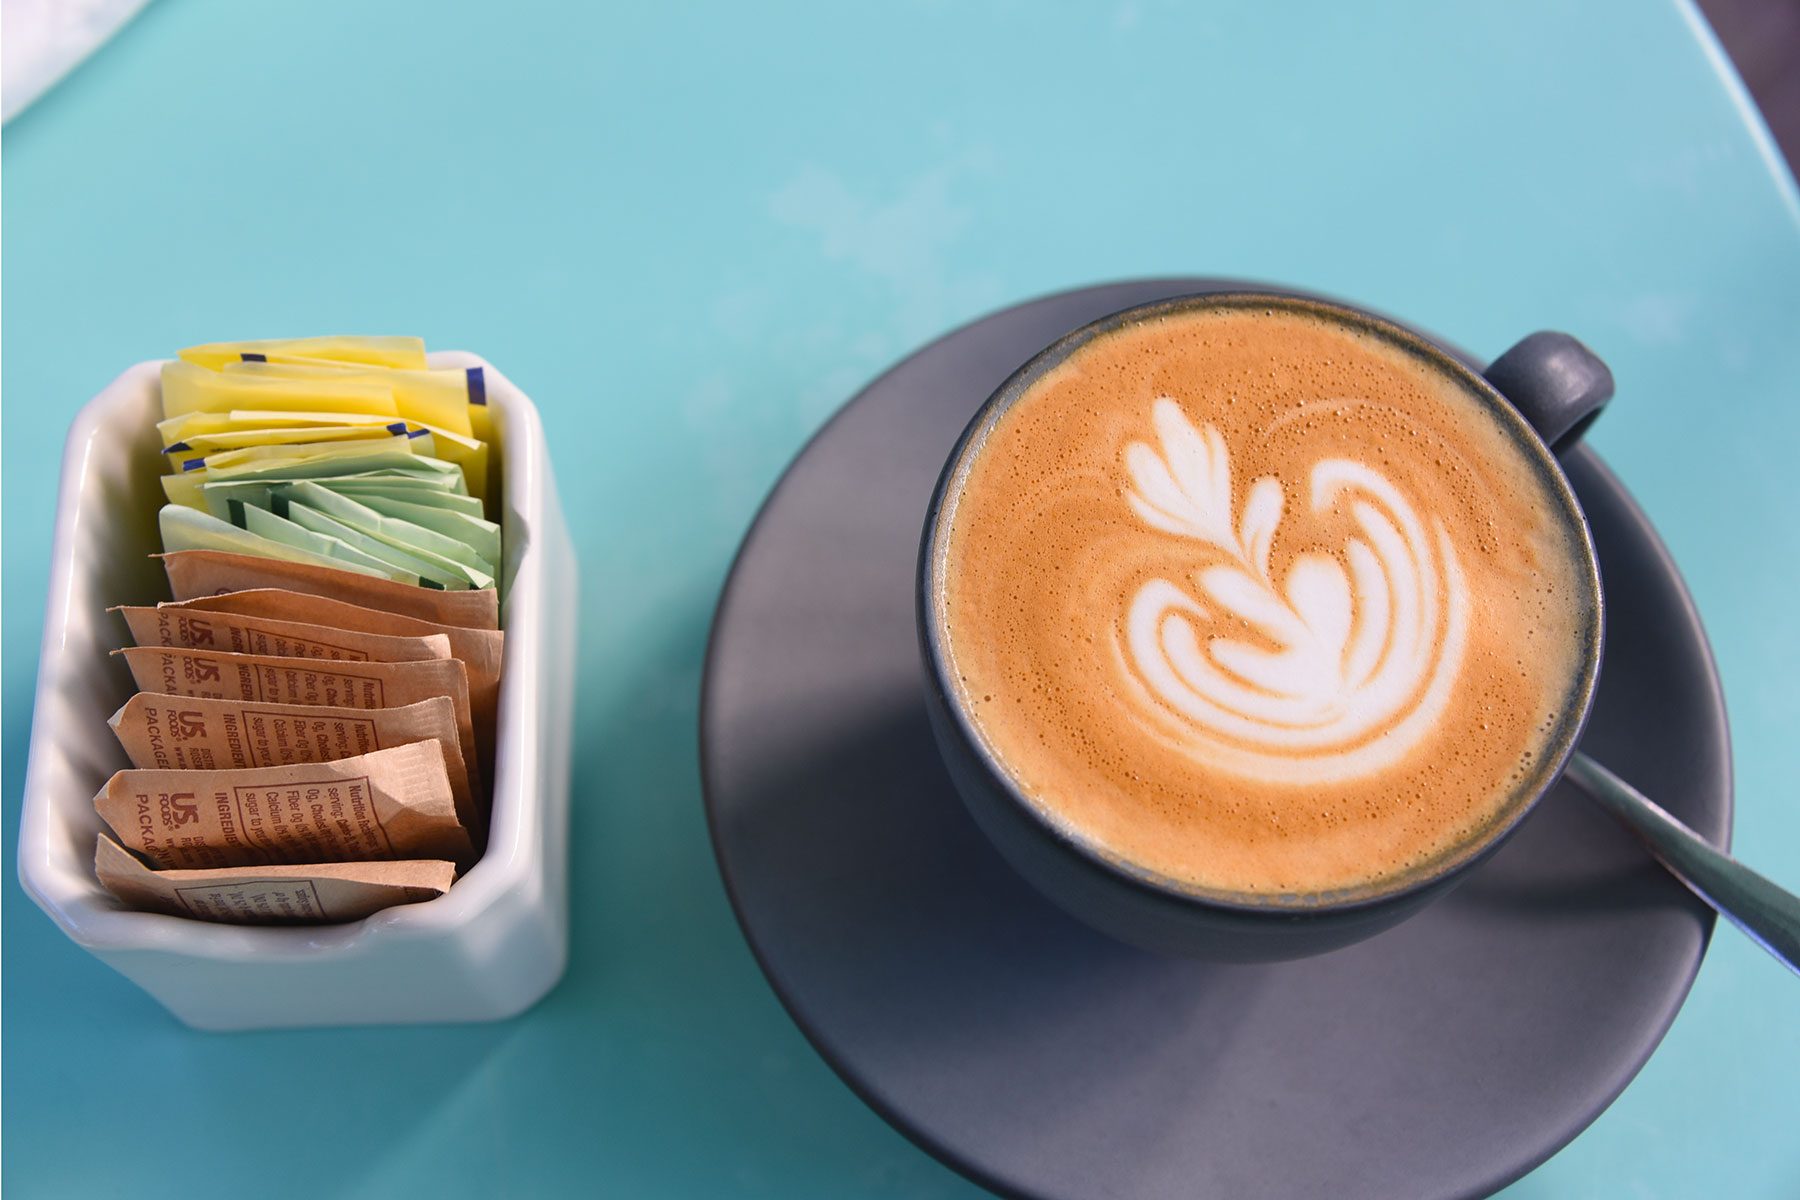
{"points": [[1547, 390]]}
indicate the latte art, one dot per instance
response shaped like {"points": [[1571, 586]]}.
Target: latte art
{"points": [[1354, 657], [1264, 601]]}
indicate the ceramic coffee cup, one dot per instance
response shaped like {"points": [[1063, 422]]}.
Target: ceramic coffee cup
{"points": [[1545, 392]]}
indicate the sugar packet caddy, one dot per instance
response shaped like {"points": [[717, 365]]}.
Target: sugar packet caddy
{"points": [[487, 948]]}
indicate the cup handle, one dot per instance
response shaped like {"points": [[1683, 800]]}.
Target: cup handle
{"points": [[1556, 383]]}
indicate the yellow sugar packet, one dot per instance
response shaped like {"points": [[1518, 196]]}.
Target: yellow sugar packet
{"points": [[174, 671], [437, 397], [166, 625], [481, 418], [313, 457], [200, 445], [453, 399], [314, 894], [187, 388], [197, 733], [384, 351], [205, 573], [387, 804], [392, 456], [444, 401], [198, 450], [174, 429], [469, 453], [185, 491]]}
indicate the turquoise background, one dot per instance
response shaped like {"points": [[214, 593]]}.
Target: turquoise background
{"points": [[690, 233]]}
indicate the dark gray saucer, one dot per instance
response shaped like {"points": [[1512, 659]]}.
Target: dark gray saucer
{"points": [[1446, 1057]]}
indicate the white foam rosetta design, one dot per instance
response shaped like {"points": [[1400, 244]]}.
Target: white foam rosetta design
{"points": [[1356, 652]]}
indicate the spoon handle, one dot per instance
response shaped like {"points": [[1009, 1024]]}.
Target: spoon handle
{"points": [[1769, 914]]}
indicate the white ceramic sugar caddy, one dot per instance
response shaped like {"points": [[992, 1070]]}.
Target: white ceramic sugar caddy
{"points": [[487, 949]]}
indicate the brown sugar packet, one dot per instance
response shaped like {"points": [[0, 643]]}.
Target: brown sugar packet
{"points": [[192, 733], [316, 893], [166, 626], [208, 572], [384, 805], [481, 650], [171, 671]]}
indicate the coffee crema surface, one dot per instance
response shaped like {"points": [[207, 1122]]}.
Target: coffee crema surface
{"points": [[1264, 603]]}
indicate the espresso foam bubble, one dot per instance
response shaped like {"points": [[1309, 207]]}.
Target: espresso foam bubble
{"points": [[1262, 603]]}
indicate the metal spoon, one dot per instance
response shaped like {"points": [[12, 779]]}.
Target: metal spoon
{"points": [[1769, 914]]}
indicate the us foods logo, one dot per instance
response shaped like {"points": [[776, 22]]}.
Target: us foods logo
{"points": [[187, 724], [205, 670], [182, 809], [197, 632]]}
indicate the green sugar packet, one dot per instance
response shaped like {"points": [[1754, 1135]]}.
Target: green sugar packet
{"points": [[394, 531], [445, 476], [436, 572], [186, 528], [217, 498], [280, 530], [197, 489], [364, 488], [480, 535]]}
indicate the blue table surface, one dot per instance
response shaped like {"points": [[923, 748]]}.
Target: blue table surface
{"points": [[690, 233]]}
